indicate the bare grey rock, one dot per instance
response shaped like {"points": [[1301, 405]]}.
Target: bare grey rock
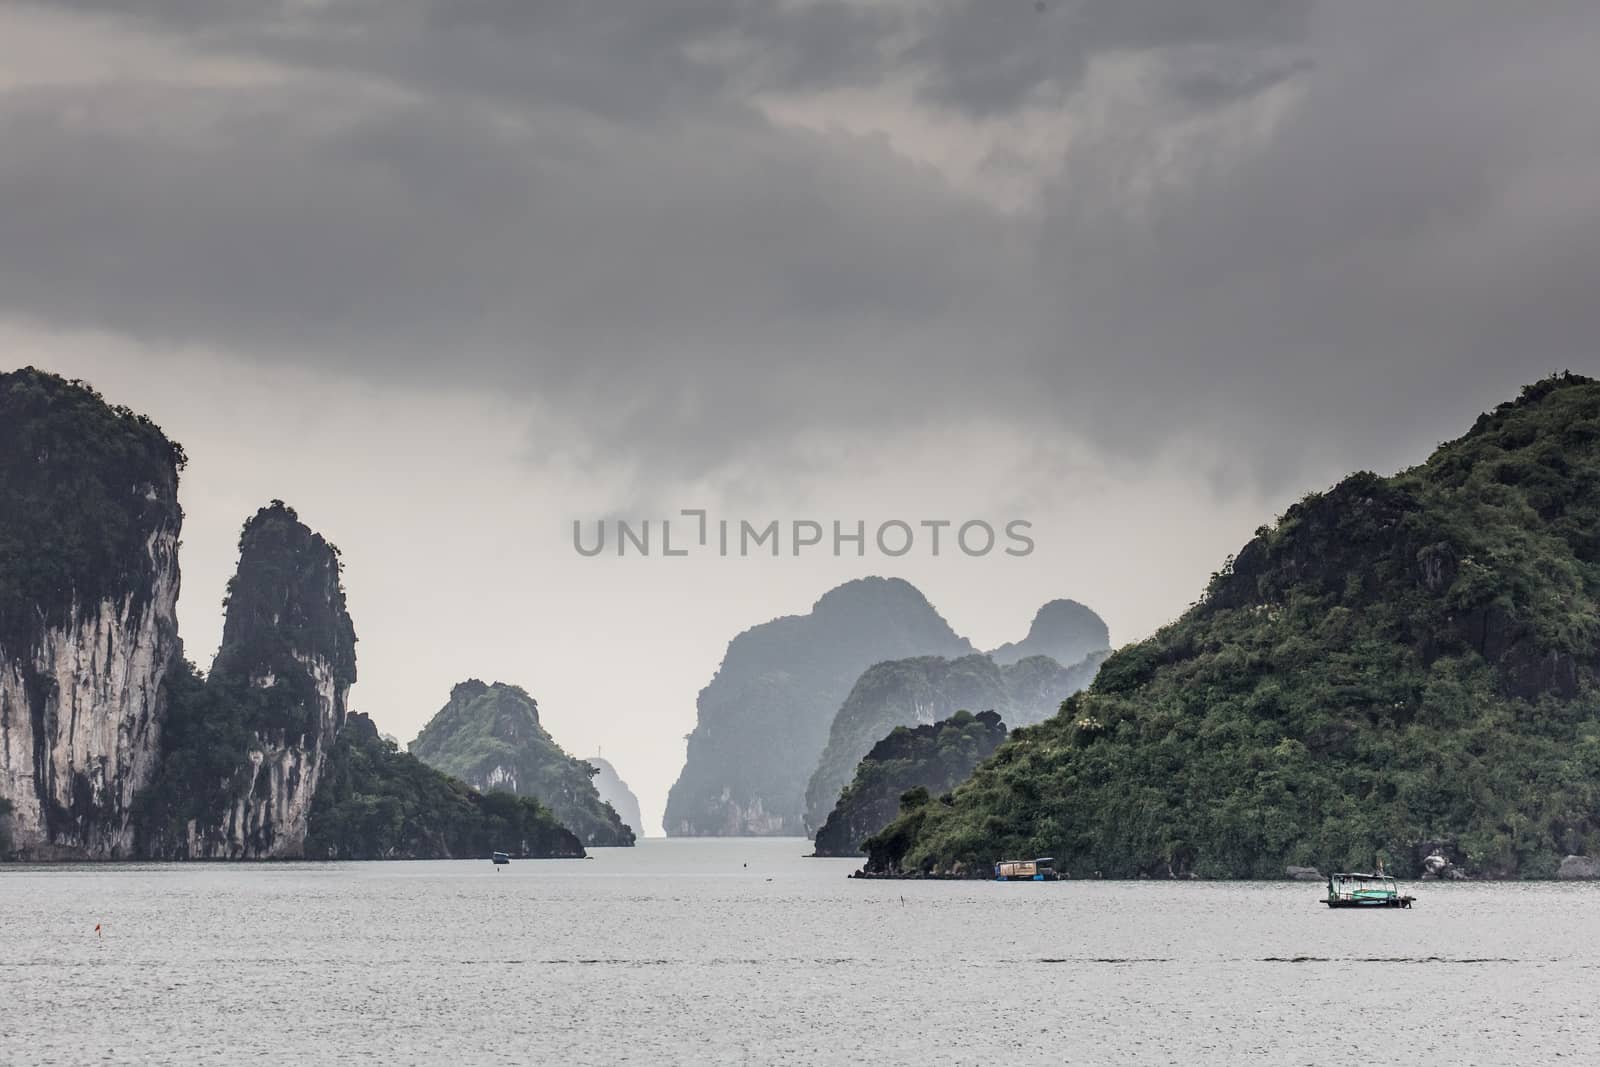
{"points": [[1579, 869], [1438, 866]]}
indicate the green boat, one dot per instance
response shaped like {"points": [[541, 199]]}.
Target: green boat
{"points": [[1365, 891]]}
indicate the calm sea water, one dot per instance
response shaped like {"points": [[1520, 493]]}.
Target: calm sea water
{"points": [[742, 951]]}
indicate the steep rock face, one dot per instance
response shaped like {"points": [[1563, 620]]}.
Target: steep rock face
{"points": [[246, 748], [614, 791], [907, 768], [1400, 669], [1064, 630], [490, 737], [764, 719], [927, 689], [89, 525]]}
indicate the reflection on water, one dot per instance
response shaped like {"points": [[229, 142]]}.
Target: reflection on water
{"points": [[741, 950]]}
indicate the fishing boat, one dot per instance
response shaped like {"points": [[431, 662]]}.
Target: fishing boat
{"points": [[500, 858], [1039, 870], [1365, 891]]}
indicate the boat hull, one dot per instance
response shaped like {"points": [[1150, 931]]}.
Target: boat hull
{"points": [[1386, 902]]}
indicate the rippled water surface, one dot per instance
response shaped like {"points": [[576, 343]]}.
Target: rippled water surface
{"points": [[741, 951]]}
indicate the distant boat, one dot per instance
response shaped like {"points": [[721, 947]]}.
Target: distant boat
{"points": [[500, 857], [1039, 870], [1365, 891]]}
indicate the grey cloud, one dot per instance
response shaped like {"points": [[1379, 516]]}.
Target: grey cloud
{"points": [[701, 284], [1216, 84], [621, 60], [1415, 241], [628, 58], [579, 204], [987, 57]]}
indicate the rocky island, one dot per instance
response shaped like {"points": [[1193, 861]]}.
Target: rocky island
{"points": [[113, 746], [376, 802], [1400, 668], [490, 737], [927, 689], [906, 769], [243, 750], [89, 526]]}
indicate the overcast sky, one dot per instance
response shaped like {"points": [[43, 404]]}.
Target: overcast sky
{"points": [[447, 275]]}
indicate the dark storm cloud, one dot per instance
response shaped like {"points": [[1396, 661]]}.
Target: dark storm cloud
{"points": [[1311, 229], [1422, 237], [989, 56], [618, 59]]}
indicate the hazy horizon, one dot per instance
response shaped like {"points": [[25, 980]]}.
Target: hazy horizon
{"points": [[500, 594]]}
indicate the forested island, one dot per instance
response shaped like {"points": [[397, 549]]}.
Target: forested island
{"points": [[490, 737], [1401, 669], [904, 769], [1398, 669], [114, 746], [925, 690]]}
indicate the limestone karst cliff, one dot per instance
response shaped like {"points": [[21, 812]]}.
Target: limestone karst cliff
{"points": [[614, 791], [89, 526], [245, 749], [764, 718], [491, 738], [114, 746]]}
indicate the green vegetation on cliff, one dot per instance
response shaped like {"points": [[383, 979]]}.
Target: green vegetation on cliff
{"points": [[1400, 664], [286, 606], [925, 761], [490, 737], [376, 802], [89, 527], [89, 514], [248, 738], [84, 486], [205, 745]]}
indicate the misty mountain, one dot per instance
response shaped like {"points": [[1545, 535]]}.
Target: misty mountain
{"points": [[763, 720], [614, 791], [926, 689], [930, 759], [1064, 630]]}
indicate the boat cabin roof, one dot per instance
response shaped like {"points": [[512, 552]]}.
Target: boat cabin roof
{"points": [[1362, 877]]}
